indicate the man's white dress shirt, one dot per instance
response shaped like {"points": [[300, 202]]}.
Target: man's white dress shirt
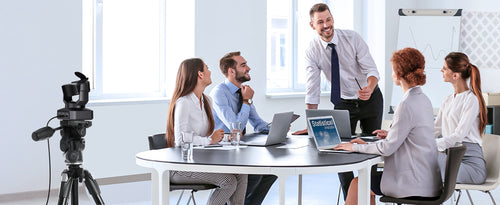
{"points": [[355, 61]]}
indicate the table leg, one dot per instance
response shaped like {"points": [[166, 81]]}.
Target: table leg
{"points": [[282, 180], [160, 187], [364, 185], [300, 190]]}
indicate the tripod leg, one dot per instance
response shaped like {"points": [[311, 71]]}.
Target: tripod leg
{"points": [[64, 189], [74, 191], [93, 188]]}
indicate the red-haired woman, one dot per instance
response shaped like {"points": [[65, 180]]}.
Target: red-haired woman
{"points": [[191, 110], [462, 118], [409, 148]]}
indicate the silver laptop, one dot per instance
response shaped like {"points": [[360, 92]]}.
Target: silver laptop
{"points": [[325, 133], [343, 122], [277, 132], [341, 118]]}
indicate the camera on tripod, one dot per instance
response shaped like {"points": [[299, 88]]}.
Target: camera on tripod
{"points": [[73, 127], [73, 118]]}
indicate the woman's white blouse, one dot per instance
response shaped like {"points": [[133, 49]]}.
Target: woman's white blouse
{"points": [[190, 115], [458, 120]]}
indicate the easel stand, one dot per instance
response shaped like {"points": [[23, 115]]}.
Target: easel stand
{"points": [[69, 185]]}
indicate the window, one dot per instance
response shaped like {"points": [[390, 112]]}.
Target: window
{"points": [[124, 46], [289, 34]]}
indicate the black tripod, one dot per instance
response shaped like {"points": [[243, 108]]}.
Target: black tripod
{"points": [[73, 118], [69, 184]]}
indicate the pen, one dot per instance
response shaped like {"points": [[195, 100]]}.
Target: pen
{"points": [[212, 145], [358, 84]]}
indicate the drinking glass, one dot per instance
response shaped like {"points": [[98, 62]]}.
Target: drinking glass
{"points": [[235, 133], [187, 145]]}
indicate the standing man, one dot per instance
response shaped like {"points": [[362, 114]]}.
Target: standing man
{"points": [[233, 103], [345, 59]]}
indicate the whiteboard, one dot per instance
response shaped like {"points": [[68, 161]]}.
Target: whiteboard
{"points": [[434, 37]]}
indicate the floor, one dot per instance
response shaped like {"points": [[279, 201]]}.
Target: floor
{"points": [[317, 189]]}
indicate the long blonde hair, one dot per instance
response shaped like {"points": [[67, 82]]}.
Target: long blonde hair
{"points": [[187, 78]]}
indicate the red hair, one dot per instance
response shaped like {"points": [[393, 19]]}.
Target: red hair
{"points": [[409, 64]]}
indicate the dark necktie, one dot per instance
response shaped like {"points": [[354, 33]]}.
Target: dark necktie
{"points": [[240, 103], [335, 78], [240, 99]]}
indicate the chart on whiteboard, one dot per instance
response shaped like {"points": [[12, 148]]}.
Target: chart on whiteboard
{"points": [[434, 37]]}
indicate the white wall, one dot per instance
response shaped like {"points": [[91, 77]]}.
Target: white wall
{"points": [[40, 45], [489, 76], [41, 48]]}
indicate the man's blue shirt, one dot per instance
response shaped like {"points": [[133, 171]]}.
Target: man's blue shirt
{"points": [[225, 109]]}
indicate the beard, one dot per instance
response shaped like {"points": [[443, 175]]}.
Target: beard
{"points": [[241, 77], [325, 36]]}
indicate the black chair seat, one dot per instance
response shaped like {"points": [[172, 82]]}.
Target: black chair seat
{"points": [[410, 200]]}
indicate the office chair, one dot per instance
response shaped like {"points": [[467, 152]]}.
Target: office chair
{"points": [[491, 144], [158, 141], [453, 160]]}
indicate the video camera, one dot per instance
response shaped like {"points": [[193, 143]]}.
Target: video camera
{"points": [[75, 110], [73, 120], [73, 124]]}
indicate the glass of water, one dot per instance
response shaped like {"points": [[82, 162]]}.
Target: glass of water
{"points": [[187, 145], [235, 133]]}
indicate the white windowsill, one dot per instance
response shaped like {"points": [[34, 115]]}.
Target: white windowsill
{"points": [[130, 101], [281, 95]]}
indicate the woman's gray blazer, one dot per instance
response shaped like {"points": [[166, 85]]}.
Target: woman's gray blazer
{"points": [[409, 150]]}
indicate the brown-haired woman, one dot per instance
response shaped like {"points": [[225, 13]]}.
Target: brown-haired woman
{"points": [[409, 148], [191, 110], [462, 118]]}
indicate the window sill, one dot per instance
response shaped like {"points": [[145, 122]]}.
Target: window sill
{"points": [[129, 101], [281, 95]]}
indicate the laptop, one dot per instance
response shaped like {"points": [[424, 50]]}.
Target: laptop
{"points": [[343, 122], [325, 133], [341, 118], [277, 132]]}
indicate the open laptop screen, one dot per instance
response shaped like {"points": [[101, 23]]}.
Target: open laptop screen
{"points": [[324, 131]]}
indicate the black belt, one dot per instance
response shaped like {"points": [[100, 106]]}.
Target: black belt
{"points": [[353, 101], [350, 100]]}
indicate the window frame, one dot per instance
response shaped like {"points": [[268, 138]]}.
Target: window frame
{"points": [[295, 89], [92, 51]]}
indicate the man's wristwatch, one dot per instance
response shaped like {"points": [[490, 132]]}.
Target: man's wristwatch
{"points": [[249, 101]]}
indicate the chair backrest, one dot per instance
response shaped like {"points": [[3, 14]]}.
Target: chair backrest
{"points": [[157, 141], [453, 160], [491, 146]]}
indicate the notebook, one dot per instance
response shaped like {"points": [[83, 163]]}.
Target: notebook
{"points": [[325, 133], [342, 121], [277, 132]]}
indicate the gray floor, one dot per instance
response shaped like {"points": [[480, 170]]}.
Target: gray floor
{"points": [[317, 189]]}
